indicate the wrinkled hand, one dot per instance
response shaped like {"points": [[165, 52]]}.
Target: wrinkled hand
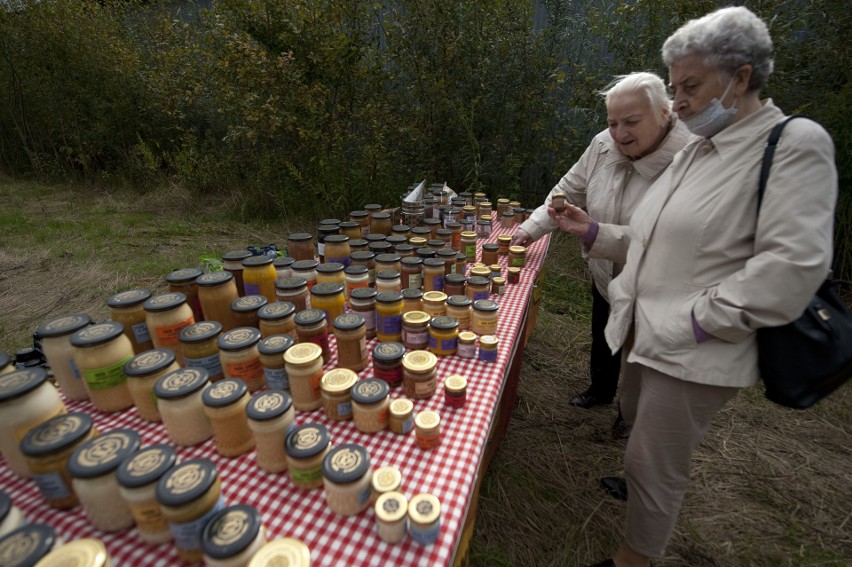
{"points": [[573, 219], [521, 238]]}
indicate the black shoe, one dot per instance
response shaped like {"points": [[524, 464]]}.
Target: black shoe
{"points": [[616, 486], [620, 428], [588, 399]]}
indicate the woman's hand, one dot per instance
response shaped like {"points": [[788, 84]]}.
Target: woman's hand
{"points": [[573, 219], [521, 238]]}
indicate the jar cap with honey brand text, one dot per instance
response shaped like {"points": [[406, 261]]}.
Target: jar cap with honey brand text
{"points": [[419, 361], [330, 267], [356, 270], [214, 278], [97, 334], [230, 531], [249, 303], [103, 453], [129, 298], [186, 482], [310, 316], [401, 407], [349, 321], [307, 440], [338, 380], [363, 293], [149, 362], [19, 382], [239, 338], [238, 255], [459, 300], [63, 325], [389, 296], [346, 463], [455, 383], [146, 466], [181, 382], [290, 283], [389, 352], [275, 344], [326, 288], [488, 340], [276, 310], [283, 261], [304, 265], [370, 391], [386, 479], [268, 405], [224, 392], [164, 301], [411, 293], [26, 545], [286, 551], [444, 322], [200, 332], [183, 275], [56, 434], [86, 552], [485, 305], [302, 353], [254, 261]]}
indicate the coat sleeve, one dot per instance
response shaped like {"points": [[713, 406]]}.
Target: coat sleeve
{"points": [[793, 241], [611, 243]]}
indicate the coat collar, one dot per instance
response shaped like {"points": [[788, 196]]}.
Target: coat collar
{"points": [[740, 136], [650, 166]]}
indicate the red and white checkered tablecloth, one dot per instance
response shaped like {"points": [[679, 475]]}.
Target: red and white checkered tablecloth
{"points": [[448, 472]]}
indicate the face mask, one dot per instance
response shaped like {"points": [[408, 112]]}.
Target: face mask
{"points": [[713, 119]]}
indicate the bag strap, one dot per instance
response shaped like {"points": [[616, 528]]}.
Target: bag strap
{"points": [[768, 154]]}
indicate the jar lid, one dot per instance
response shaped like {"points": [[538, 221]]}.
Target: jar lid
{"points": [[491, 247], [327, 288], [485, 305], [434, 263], [503, 201], [346, 463], [350, 224], [356, 270], [427, 420], [129, 298], [183, 275], [146, 466], [389, 296], [338, 380], [211, 279], [397, 240], [149, 362], [370, 391], [412, 293], [307, 440], [186, 482], [415, 317], [268, 405], [380, 246], [275, 345], [514, 270], [299, 236], [444, 322], [257, 261], [230, 531], [435, 296], [386, 479], [455, 383], [363, 293], [508, 213], [276, 310], [349, 321], [304, 265], [310, 316], [447, 253], [355, 243], [86, 552], [63, 325], [461, 256], [388, 352], [103, 453], [330, 267], [283, 261], [419, 361], [388, 258], [488, 340], [468, 233], [181, 382], [56, 433], [359, 214], [453, 225], [165, 301], [25, 546], [375, 237], [19, 382], [248, 303], [467, 336], [97, 334], [199, 332], [362, 255], [238, 339], [336, 239], [481, 272], [412, 260], [436, 243], [224, 392], [381, 216], [387, 274], [459, 301], [237, 255], [330, 221], [504, 237], [477, 280], [302, 353], [373, 207], [401, 407], [431, 221], [326, 230], [517, 249], [291, 283], [495, 268], [400, 228], [499, 280]]}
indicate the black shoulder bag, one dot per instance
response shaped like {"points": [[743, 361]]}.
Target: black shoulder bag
{"points": [[806, 360]]}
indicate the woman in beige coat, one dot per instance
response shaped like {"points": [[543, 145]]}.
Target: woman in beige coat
{"points": [[702, 274]]}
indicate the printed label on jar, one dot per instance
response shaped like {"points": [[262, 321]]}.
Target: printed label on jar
{"points": [[140, 332], [251, 288], [415, 338], [392, 377], [438, 283], [51, 485], [389, 324], [443, 344], [425, 536], [470, 250], [428, 442], [188, 534], [362, 344], [486, 327], [488, 355], [424, 388], [169, 335], [249, 371], [480, 295], [148, 517], [365, 494], [106, 377], [344, 409], [369, 319], [306, 476], [408, 425], [466, 350], [277, 378], [212, 364], [415, 281], [321, 248], [517, 262], [74, 369]]}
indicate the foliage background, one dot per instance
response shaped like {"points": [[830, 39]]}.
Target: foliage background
{"points": [[349, 101]]}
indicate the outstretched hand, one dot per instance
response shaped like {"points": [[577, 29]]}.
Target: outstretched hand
{"points": [[573, 219], [521, 238]]}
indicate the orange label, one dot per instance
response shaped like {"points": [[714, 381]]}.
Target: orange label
{"points": [[169, 335], [316, 380], [248, 371]]}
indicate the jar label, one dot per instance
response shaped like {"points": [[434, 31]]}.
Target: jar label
{"points": [[321, 249], [248, 371], [342, 260], [455, 401], [408, 425], [488, 355], [149, 518], [369, 319], [485, 327], [362, 345], [425, 388], [438, 283], [108, 376], [415, 338], [389, 324], [251, 288], [344, 409], [51, 485], [169, 335], [480, 295], [466, 350], [443, 345], [470, 250], [212, 364], [188, 534], [428, 442], [306, 476], [140, 332], [277, 378], [365, 494], [415, 281], [392, 376], [517, 262], [75, 370]]}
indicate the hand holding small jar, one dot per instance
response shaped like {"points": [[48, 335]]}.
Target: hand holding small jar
{"points": [[572, 219]]}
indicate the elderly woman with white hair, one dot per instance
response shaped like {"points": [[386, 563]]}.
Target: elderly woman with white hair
{"points": [[703, 272], [608, 181]]}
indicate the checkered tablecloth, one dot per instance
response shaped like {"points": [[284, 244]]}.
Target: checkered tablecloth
{"points": [[448, 472]]}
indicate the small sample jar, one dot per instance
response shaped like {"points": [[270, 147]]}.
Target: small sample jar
{"points": [[363, 302], [433, 274], [368, 260], [370, 405], [225, 405], [232, 536], [179, 402], [412, 300], [517, 256], [217, 291], [312, 327], [346, 477], [468, 245], [27, 399], [28, 545], [307, 270], [101, 353], [514, 275], [488, 348], [143, 371], [11, 517], [391, 512], [435, 303], [389, 316], [388, 280], [271, 351], [189, 495], [387, 362], [351, 334], [240, 357], [419, 374], [183, 281], [459, 307], [92, 467], [478, 287], [137, 478], [300, 246], [303, 362], [86, 552], [270, 415], [336, 388], [232, 262], [411, 275], [454, 284], [427, 429], [485, 317], [56, 346], [490, 253], [455, 391], [306, 446], [385, 479], [415, 330], [282, 267], [498, 285], [337, 249], [47, 448], [401, 416], [467, 345], [331, 272], [504, 241], [293, 290], [277, 318], [126, 308], [200, 344], [330, 298], [380, 223], [443, 335], [166, 315]]}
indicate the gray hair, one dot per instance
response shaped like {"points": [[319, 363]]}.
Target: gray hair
{"points": [[647, 84], [727, 39]]}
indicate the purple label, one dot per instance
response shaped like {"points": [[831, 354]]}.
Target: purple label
{"points": [[251, 289], [480, 295], [488, 355], [438, 282], [388, 324], [345, 261]]}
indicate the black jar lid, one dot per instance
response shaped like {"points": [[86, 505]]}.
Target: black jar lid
{"points": [[304, 265], [165, 301], [358, 243], [359, 214], [421, 230], [230, 531], [146, 466], [400, 228], [389, 352], [334, 222], [511, 213], [356, 270], [181, 382], [310, 317], [199, 332], [381, 247], [307, 440], [237, 255], [425, 253], [276, 310], [435, 243], [491, 247], [412, 260], [372, 207], [444, 232], [275, 345], [455, 279], [350, 224], [434, 262], [129, 298], [387, 274], [459, 301], [56, 433], [381, 216], [63, 325], [397, 239], [97, 334], [330, 268], [446, 253], [336, 239], [477, 280], [19, 382], [248, 303], [375, 237], [412, 293], [291, 283], [349, 321], [25, 546], [431, 222], [256, 261], [389, 296], [224, 392], [186, 482], [388, 258], [453, 226], [346, 463], [326, 230], [238, 339], [103, 453], [268, 405], [485, 305], [444, 322], [363, 293], [403, 248], [362, 255], [327, 288], [183, 275], [370, 391], [149, 362], [299, 236], [283, 261], [214, 278]]}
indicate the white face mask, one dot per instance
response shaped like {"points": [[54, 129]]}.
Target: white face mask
{"points": [[713, 119]]}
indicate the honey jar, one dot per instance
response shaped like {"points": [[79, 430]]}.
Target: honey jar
{"points": [[293, 290], [311, 326], [283, 268], [351, 334], [143, 371], [166, 315], [244, 310], [419, 374], [300, 246], [217, 291], [485, 318], [389, 316], [56, 346], [337, 250], [179, 401], [363, 302], [489, 253], [370, 405], [467, 345], [126, 308], [137, 478], [101, 352], [433, 274], [514, 275], [271, 351], [435, 303], [459, 307], [28, 545], [270, 415], [303, 362], [415, 330], [443, 335], [232, 262], [336, 388], [387, 362], [240, 357], [277, 318], [200, 344], [517, 256], [225, 405], [427, 429], [503, 243], [488, 348], [411, 275], [454, 284], [183, 281], [401, 416], [391, 512], [306, 446], [346, 477], [478, 287], [455, 391], [307, 270], [232, 536]]}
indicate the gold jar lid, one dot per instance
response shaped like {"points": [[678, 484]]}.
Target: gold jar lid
{"points": [[87, 552], [417, 241], [498, 280], [495, 267], [416, 317], [338, 380], [468, 233], [483, 271], [391, 507], [386, 479], [303, 353], [517, 250], [467, 336], [514, 203], [285, 551], [514, 270], [401, 407], [503, 201], [427, 420], [419, 361], [487, 218], [435, 296], [507, 238], [455, 383], [488, 340], [424, 509]]}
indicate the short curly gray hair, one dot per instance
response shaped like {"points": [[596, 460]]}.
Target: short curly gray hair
{"points": [[728, 39], [643, 83]]}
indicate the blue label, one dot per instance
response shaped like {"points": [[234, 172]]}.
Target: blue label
{"points": [[140, 331], [445, 344], [438, 282], [408, 425], [251, 288], [277, 378], [480, 295], [425, 535], [344, 409], [212, 364], [389, 324], [365, 494], [488, 355], [52, 485], [345, 261], [74, 370], [188, 534]]}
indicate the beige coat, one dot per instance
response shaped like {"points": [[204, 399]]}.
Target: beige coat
{"points": [[608, 186], [695, 248]]}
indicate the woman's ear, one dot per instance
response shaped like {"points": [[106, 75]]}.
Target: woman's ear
{"points": [[742, 77]]}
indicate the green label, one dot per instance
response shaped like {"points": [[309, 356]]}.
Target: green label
{"points": [[306, 476], [470, 251], [106, 377]]}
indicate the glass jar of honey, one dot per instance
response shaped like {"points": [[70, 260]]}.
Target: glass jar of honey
{"points": [[468, 245], [415, 330], [380, 223], [490, 253], [363, 302], [101, 352], [355, 277], [294, 290], [300, 246], [443, 335], [351, 334], [331, 272], [217, 291], [488, 348], [514, 275], [143, 371], [59, 352], [363, 220], [137, 478], [303, 362], [459, 307], [478, 287], [351, 229], [427, 429], [277, 318], [367, 259], [346, 477], [330, 298], [183, 281], [306, 447], [271, 350], [312, 326], [323, 232], [433, 274], [307, 270], [387, 362], [232, 262], [485, 318], [454, 284], [259, 276], [283, 268], [419, 374], [336, 386], [504, 241], [244, 310], [179, 403], [401, 416], [467, 345], [201, 348], [240, 357], [337, 249], [388, 261], [126, 308], [517, 256], [388, 280], [225, 405], [412, 300], [270, 414], [370, 405], [233, 536], [411, 275], [435, 303], [389, 316], [166, 315]]}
